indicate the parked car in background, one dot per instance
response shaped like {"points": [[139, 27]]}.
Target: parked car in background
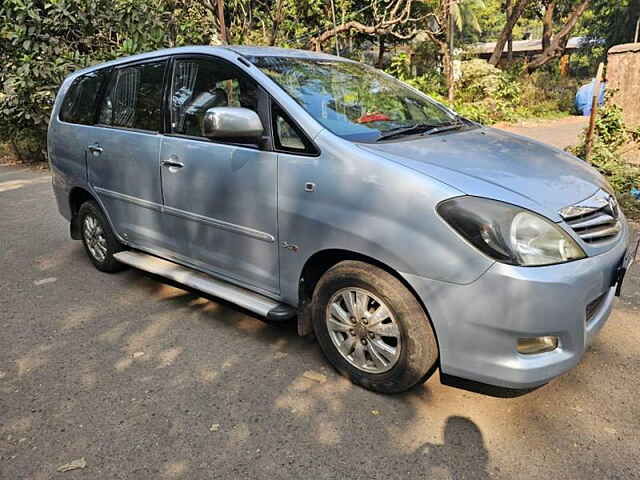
{"points": [[299, 184]]}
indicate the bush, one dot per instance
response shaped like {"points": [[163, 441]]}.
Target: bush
{"points": [[488, 95], [42, 42], [610, 135]]}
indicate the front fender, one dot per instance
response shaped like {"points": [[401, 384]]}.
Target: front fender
{"points": [[366, 204]]}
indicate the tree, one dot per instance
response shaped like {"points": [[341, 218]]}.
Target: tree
{"points": [[42, 42], [516, 12], [397, 18], [554, 45], [464, 14], [613, 22]]}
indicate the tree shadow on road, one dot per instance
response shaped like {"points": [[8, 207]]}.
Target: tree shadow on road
{"points": [[168, 383]]}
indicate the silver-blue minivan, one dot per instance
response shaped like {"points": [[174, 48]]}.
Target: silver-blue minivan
{"points": [[297, 184]]}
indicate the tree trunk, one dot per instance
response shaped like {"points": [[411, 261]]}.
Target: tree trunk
{"points": [[506, 31], [277, 20], [16, 150], [447, 64], [223, 27], [547, 25], [380, 61], [510, 37], [559, 42], [564, 65]]}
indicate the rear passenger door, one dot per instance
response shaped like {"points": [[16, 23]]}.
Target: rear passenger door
{"points": [[123, 153]]}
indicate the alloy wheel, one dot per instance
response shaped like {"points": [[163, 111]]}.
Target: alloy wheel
{"points": [[364, 330], [94, 238]]}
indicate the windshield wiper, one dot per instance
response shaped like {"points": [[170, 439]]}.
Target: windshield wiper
{"points": [[445, 128], [418, 128]]}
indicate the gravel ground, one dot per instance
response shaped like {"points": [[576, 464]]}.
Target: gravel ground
{"points": [[145, 380]]}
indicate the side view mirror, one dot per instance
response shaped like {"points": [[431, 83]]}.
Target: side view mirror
{"points": [[232, 122]]}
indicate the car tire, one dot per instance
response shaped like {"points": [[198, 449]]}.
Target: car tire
{"points": [[98, 238], [389, 355]]}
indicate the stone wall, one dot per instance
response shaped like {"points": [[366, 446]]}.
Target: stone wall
{"points": [[623, 80]]}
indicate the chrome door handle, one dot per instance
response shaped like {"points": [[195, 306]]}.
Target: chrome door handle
{"points": [[173, 164], [96, 149]]}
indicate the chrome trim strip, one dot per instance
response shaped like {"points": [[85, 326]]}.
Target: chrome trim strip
{"points": [[601, 200], [128, 198], [603, 219], [601, 233], [231, 227]]}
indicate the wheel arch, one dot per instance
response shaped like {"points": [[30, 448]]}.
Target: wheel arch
{"points": [[77, 196], [320, 262]]}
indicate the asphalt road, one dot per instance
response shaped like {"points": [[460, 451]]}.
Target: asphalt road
{"points": [[147, 381]]}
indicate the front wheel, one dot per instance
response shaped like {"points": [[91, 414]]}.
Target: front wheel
{"points": [[372, 328]]}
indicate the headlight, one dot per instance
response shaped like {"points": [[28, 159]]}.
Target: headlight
{"points": [[508, 233]]}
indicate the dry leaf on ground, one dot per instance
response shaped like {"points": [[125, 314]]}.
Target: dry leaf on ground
{"points": [[315, 376], [74, 465]]}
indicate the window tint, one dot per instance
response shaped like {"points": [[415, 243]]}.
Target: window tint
{"points": [[79, 105], [134, 98], [200, 84], [287, 136]]}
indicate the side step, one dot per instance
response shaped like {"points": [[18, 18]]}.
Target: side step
{"points": [[242, 297]]}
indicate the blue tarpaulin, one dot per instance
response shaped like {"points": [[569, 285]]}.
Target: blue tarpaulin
{"points": [[584, 97]]}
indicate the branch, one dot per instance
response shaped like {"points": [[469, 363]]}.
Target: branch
{"points": [[559, 41], [396, 13]]}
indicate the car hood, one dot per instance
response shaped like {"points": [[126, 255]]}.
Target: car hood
{"points": [[496, 164]]}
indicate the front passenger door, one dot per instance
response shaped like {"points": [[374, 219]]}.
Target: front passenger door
{"points": [[220, 197]]}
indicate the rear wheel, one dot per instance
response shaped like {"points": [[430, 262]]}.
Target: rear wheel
{"points": [[372, 328], [99, 241]]}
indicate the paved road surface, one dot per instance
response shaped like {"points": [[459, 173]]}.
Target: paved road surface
{"points": [[131, 373], [562, 133]]}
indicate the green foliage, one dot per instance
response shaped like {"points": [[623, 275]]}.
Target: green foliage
{"points": [[43, 41], [610, 135], [488, 95], [465, 15], [400, 67]]}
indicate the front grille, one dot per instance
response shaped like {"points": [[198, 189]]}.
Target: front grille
{"points": [[595, 219], [593, 307], [595, 227]]}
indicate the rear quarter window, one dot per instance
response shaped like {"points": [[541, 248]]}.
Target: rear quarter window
{"points": [[134, 97], [79, 104]]}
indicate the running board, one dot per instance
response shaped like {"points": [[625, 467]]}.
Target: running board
{"points": [[242, 297]]}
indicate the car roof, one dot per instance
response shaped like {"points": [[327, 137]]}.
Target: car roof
{"points": [[257, 51], [242, 50]]}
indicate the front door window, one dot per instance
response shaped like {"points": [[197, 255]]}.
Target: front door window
{"points": [[200, 84]]}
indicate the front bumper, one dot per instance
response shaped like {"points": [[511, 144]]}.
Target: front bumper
{"points": [[478, 324]]}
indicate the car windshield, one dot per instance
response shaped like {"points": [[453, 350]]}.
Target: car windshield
{"points": [[354, 101]]}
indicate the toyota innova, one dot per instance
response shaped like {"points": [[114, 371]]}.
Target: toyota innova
{"points": [[302, 185]]}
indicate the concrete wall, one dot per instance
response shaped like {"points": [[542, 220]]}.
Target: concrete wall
{"points": [[623, 79]]}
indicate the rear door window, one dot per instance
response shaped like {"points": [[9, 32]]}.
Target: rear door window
{"points": [[134, 97], [79, 105]]}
